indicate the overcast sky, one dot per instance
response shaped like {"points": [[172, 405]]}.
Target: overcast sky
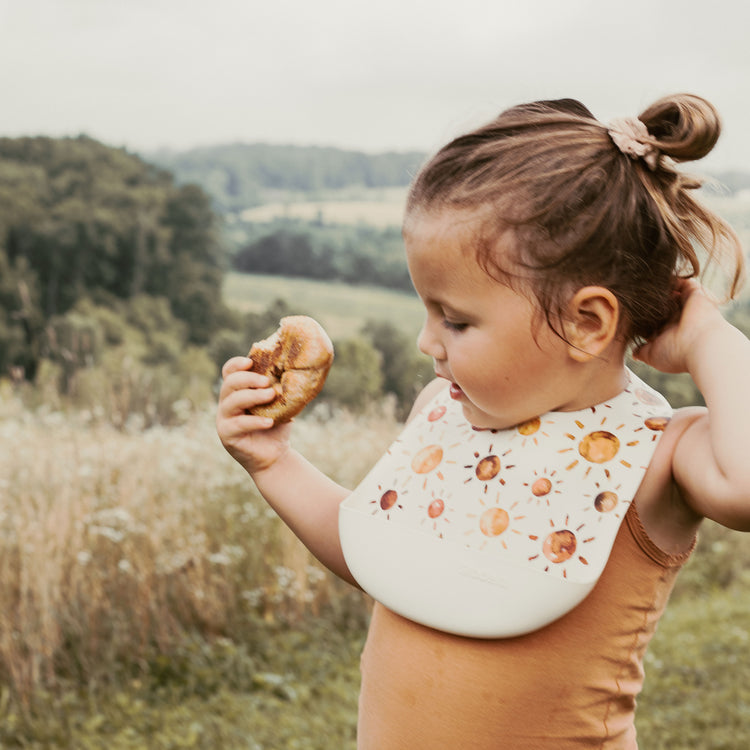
{"points": [[374, 75]]}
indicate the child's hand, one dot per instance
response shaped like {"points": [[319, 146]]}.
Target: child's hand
{"points": [[670, 351], [252, 441]]}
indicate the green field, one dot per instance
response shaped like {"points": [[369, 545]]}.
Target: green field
{"points": [[378, 207], [341, 308]]}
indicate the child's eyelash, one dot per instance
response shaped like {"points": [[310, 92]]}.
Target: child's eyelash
{"points": [[451, 326]]}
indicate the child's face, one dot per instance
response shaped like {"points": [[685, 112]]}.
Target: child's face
{"points": [[480, 332]]}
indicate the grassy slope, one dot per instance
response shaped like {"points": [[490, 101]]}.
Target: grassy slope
{"points": [[304, 696], [341, 308]]}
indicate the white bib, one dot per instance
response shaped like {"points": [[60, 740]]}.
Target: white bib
{"points": [[495, 533]]}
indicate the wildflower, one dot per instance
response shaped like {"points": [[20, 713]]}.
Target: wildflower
{"points": [[253, 597], [219, 558], [108, 532], [83, 557]]}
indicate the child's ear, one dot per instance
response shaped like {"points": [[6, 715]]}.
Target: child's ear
{"points": [[591, 322]]}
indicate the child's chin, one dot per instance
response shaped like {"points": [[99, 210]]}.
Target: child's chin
{"points": [[478, 419]]}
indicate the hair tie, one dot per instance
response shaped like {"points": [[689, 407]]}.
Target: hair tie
{"points": [[631, 136]]}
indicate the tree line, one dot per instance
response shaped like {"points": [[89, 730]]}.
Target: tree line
{"points": [[239, 175], [79, 219], [351, 254], [242, 175]]}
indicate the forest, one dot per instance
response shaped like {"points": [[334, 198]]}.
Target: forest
{"points": [[81, 221], [149, 597], [354, 255], [104, 256]]}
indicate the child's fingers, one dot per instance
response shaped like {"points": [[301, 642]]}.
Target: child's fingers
{"points": [[692, 288], [242, 425], [246, 379], [688, 286], [233, 420], [240, 400], [235, 364], [237, 380]]}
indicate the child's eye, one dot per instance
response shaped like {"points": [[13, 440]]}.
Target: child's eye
{"points": [[453, 326]]}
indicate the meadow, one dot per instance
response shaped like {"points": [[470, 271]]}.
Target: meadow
{"points": [[152, 600], [341, 308]]}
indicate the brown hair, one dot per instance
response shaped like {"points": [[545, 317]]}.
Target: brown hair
{"points": [[582, 212]]}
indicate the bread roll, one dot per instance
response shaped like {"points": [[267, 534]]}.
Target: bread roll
{"points": [[297, 357]]}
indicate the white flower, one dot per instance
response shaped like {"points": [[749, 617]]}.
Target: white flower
{"points": [[83, 557], [219, 558], [106, 531], [253, 597]]}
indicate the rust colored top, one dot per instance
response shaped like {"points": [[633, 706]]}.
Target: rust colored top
{"points": [[571, 685]]}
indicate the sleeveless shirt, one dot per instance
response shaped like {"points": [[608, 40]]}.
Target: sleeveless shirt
{"points": [[567, 686]]}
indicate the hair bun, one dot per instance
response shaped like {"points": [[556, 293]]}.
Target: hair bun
{"points": [[685, 126]]}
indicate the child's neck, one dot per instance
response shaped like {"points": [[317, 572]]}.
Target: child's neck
{"points": [[597, 381]]}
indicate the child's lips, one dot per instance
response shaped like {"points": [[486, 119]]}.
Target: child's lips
{"points": [[455, 389]]}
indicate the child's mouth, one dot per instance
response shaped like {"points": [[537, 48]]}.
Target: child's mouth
{"points": [[455, 392]]}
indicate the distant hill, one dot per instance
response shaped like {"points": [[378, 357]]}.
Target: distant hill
{"points": [[242, 175], [239, 176]]}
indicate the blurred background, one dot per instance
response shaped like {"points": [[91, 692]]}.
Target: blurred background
{"points": [[392, 76], [176, 176]]}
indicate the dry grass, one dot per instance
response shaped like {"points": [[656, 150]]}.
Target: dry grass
{"points": [[116, 544]]}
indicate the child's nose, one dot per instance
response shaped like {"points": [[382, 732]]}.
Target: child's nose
{"points": [[429, 344]]}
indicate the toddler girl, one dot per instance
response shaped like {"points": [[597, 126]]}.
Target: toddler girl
{"points": [[542, 245]]}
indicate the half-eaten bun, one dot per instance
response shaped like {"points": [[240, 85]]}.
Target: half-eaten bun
{"points": [[297, 357]]}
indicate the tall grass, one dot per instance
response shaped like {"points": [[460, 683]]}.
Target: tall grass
{"points": [[116, 544], [148, 589]]}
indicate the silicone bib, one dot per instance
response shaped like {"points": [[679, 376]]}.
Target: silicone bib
{"points": [[495, 533]]}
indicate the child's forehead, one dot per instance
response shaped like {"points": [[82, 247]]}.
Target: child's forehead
{"points": [[466, 236], [458, 231], [441, 220]]}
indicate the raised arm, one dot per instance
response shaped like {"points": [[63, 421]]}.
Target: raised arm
{"points": [[710, 462], [305, 498]]}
